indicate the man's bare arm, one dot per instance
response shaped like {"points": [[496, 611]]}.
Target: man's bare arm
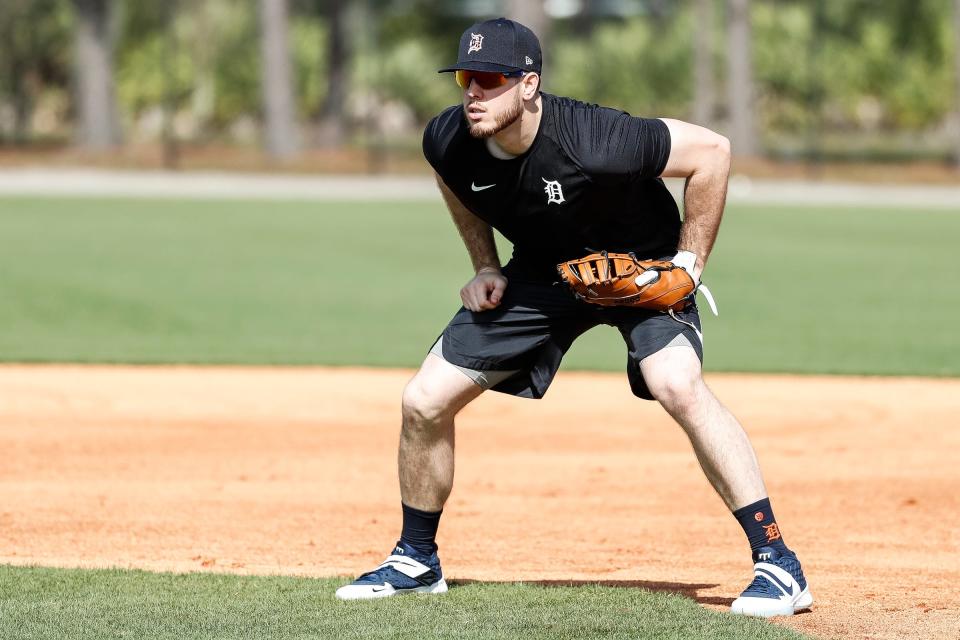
{"points": [[477, 235], [703, 158], [485, 289]]}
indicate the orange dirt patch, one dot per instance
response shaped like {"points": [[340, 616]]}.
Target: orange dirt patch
{"points": [[292, 471]]}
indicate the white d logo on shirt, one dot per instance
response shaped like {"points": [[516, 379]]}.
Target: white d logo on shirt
{"points": [[553, 190]]}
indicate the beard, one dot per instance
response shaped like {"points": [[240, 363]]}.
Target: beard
{"points": [[501, 122]]}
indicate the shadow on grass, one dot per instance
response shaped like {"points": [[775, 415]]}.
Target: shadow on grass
{"points": [[686, 589]]}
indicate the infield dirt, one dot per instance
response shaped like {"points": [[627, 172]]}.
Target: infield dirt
{"points": [[292, 471]]}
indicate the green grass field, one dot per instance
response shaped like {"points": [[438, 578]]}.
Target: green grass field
{"points": [[81, 604], [817, 290]]}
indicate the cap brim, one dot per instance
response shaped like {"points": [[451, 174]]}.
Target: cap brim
{"points": [[481, 66]]}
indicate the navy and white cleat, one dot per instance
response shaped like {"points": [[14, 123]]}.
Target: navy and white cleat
{"points": [[778, 587], [405, 571]]}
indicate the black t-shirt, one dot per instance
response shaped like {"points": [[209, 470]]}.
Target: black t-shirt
{"points": [[588, 182]]}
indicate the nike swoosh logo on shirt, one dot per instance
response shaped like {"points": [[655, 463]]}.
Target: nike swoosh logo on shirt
{"points": [[473, 185]]}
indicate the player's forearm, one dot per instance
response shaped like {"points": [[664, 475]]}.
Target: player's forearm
{"points": [[702, 157], [478, 239], [704, 197], [477, 235]]}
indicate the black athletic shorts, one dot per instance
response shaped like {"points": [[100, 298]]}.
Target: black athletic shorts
{"points": [[536, 323]]}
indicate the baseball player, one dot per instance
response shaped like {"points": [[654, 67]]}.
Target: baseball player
{"points": [[560, 178]]}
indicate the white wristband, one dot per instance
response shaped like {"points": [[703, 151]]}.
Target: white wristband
{"points": [[687, 260]]}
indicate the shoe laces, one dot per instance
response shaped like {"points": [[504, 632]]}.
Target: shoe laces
{"points": [[761, 584]]}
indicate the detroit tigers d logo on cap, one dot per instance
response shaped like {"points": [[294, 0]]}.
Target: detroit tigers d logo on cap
{"points": [[476, 42]]}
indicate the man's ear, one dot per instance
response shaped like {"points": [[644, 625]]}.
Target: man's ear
{"points": [[531, 85]]}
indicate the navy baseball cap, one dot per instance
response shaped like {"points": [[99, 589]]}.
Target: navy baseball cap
{"points": [[498, 45]]}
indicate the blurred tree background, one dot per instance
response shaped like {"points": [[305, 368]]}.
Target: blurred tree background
{"points": [[810, 80]]}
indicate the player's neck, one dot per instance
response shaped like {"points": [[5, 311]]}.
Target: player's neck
{"points": [[519, 136]]}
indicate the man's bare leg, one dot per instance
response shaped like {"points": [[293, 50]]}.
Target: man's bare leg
{"points": [[719, 442], [728, 460], [425, 460], [431, 399]]}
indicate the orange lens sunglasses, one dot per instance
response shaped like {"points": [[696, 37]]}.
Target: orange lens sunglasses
{"points": [[486, 79]]}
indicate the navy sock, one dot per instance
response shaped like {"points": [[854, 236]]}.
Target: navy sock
{"points": [[760, 526], [420, 528]]}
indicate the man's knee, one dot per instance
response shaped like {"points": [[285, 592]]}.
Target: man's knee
{"points": [[674, 388], [427, 402], [674, 382]]}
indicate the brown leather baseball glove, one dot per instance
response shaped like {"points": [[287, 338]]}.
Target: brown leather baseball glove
{"points": [[619, 279]]}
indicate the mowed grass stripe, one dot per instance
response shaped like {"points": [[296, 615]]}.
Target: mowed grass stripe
{"points": [[38, 603], [813, 290]]}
